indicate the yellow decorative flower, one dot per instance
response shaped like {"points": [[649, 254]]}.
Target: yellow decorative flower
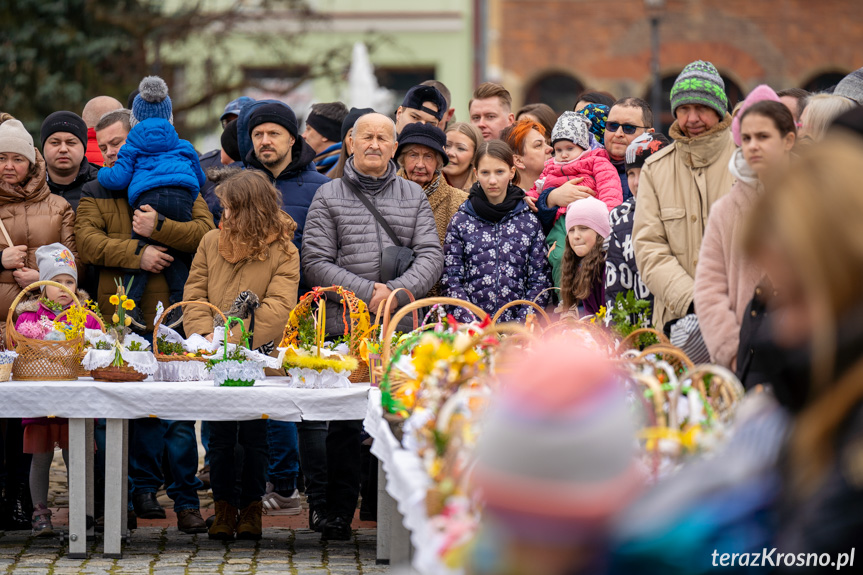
{"points": [[128, 304], [114, 300], [115, 318]]}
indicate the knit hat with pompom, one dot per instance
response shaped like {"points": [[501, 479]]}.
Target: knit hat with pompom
{"points": [[152, 101]]}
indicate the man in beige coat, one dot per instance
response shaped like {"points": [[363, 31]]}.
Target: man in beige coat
{"points": [[677, 187]]}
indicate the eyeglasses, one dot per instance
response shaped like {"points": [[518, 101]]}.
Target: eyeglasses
{"points": [[628, 129]]}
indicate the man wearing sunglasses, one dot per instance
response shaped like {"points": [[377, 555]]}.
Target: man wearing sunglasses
{"points": [[676, 189], [627, 119]]}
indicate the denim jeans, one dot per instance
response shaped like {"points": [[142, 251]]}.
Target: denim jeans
{"points": [[284, 456], [149, 438], [175, 204], [205, 441], [224, 436], [331, 461]]}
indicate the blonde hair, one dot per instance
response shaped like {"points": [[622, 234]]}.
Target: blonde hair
{"points": [[814, 211], [472, 132], [820, 111]]}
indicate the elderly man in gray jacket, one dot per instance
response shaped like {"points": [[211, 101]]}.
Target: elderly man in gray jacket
{"points": [[342, 245]]}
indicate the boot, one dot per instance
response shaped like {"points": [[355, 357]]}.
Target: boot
{"points": [[225, 524], [250, 526], [189, 521], [41, 522], [20, 508]]}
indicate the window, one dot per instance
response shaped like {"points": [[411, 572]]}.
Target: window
{"points": [[558, 90], [400, 80], [822, 82]]}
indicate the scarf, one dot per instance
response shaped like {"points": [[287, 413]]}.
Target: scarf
{"points": [[371, 183], [430, 187], [491, 212]]}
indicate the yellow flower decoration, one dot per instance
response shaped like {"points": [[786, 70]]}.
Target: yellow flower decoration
{"points": [[123, 298], [115, 300], [128, 304]]}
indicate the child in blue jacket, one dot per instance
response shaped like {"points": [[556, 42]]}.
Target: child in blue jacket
{"points": [[160, 171]]}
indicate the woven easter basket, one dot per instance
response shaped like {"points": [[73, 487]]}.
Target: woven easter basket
{"points": [[352, 311], [376, 363], [115, 374], [519, 302], [40, 360], [161, 357], [82, 371]]}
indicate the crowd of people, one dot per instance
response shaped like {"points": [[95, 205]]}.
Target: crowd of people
{"points": [[571, 211]]}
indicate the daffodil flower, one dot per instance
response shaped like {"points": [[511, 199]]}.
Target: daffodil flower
{"points": [[114, 299]]}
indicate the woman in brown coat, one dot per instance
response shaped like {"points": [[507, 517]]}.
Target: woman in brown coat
{"points": [[252, 251], [33, 217], [31, 214]]}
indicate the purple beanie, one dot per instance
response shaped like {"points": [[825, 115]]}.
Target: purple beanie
{"points": [[759, 94], [589, 212]]}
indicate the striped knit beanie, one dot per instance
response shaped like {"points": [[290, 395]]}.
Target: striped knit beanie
{"points": [[556, 455], [700, 83]]}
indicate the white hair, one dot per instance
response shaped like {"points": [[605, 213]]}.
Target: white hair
{"points": [[369, 116]]}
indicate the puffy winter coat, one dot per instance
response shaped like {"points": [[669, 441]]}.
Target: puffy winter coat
{"points": [[343, 242], [71, 192], [104, 232], [218, 276], [491, 264], [677, 189], [621, 273], [34, 217], [154, 156], [592, 165], [725, 279]]}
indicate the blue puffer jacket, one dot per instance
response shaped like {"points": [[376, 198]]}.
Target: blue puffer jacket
{"points": [[492, 264], [154, 156]]}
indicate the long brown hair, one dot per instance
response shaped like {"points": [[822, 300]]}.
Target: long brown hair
{"points": [[578, 275], [255, 217], [499, 150]]}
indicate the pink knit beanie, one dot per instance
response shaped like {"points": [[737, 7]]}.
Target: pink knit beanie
{"points": [[759, 94], [589, 212]]}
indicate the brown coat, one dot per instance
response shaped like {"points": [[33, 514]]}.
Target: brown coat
{"points": [[444, 201], [216, 280], [34, 217]]}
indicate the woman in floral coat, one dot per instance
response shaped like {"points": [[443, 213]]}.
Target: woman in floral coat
{"points": [[494, 250]]}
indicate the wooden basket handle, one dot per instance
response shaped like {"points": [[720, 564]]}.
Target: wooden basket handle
{"points": [[675, 352], [388, 307], [528, 303], [178, 304], [90, 313], [10, 324], [548, 289], [387, 336], [628, 341]]}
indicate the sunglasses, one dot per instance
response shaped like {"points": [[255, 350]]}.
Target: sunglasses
{"points": [[628, 129]]}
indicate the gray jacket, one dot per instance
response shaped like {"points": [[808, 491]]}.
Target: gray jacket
{"points": [[342, 241]]}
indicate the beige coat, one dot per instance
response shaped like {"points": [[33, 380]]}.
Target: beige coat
{"points": [[677, 188], [218, 280]]}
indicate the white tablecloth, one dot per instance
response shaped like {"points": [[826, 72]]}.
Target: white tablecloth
{"points": [[407, 483], [272, 398]]}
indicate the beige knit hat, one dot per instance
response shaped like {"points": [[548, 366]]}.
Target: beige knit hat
{"points": [[14, 138]]}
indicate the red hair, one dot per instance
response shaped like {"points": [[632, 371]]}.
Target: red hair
{"points": [[516, 136]]}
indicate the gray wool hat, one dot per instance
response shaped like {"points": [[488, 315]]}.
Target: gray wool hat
{"points": [[573, 127], [55, 259], [851, 86]]}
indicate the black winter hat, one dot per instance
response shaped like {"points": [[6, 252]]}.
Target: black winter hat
{"points": [[64, 122], [280, 114], [230, 145], [418, 95], [352, 118], [423, 135], [326, 127]]}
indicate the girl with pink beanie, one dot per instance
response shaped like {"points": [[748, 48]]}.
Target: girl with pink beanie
{"points": [[582, 281]]}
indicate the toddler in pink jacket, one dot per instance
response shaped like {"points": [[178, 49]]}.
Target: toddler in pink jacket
{"points": [[573, 158]]}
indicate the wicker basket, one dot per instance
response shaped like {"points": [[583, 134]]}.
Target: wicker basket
{"points": [[352, 306], [40, 360], [5, 371], [537, 308], [114, 374], [375, 363], [83, 372], [166, 358]]}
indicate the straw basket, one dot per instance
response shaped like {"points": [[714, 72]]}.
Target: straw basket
{"points": [[161, 357], [114, 374], [40, 360], [375, 363], [82, 372], [518, 302], [5, 371], [351, 313]]}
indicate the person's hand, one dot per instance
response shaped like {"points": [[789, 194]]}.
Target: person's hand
{"points": [[144, 221], [551, 249], [25, 276], [531, 203], [14, 257], [154, 259], [567, 193], [381, 293]]}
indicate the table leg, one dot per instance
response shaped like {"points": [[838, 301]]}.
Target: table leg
{"points": [[400, 546], [90, 439], [116, 487], [77, 489], [386, 507]]}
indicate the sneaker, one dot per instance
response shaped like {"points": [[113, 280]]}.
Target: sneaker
{"points": [[275, 504], [41, 522], [317, 519]]}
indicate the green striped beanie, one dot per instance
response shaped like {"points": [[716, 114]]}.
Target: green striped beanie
{"points": [[700, 83]]}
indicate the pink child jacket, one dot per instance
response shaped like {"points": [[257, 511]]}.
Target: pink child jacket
{"points": [[597, 170]]}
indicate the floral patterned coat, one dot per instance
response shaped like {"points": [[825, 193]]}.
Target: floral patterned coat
{"points": [[491, 264]]}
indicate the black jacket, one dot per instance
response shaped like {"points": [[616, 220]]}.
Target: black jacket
{"points": [[72, 192]]}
